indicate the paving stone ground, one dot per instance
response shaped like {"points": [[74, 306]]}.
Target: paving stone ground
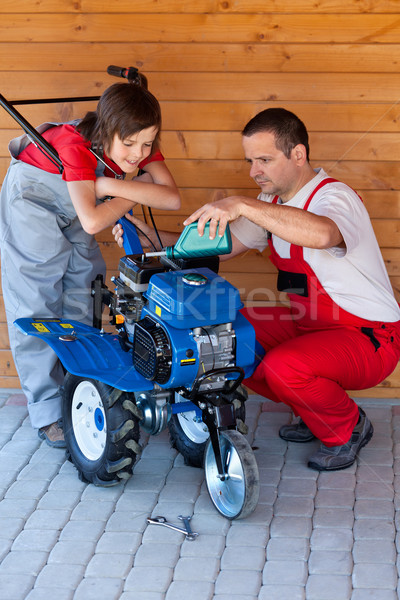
{"points": [[312, 536]]}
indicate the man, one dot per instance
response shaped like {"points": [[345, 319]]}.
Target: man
{"points": [[342, 330]]}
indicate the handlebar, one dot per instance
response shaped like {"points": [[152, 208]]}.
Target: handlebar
{"points": [[131, 74]]}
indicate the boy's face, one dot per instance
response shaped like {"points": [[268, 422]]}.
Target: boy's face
{"points": [[128, 153]]}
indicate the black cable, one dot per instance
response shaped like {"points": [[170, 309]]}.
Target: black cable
{"points": [[155, 228], [147, 238]]}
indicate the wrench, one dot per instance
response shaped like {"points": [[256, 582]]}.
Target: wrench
{"points": [[190, 535]]}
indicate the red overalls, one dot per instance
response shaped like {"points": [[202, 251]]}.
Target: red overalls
{"points": [[315, 350]]}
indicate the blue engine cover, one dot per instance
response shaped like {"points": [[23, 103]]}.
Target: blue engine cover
{"points": [[192, 298]]}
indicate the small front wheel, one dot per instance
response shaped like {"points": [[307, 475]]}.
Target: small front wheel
{"points": [[101, 429], [237, 495]]}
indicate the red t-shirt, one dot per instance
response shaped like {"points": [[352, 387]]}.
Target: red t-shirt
{"points": [[78, 162]]}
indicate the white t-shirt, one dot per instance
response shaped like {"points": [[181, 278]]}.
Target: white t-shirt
{"points": [[355, 277]]}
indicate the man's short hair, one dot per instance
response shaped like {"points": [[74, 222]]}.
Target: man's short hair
{"points": [[287, 128]]}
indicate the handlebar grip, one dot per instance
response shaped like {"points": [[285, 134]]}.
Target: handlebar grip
{"points": [[130, 74]]}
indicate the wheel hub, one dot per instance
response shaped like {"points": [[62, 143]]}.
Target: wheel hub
{"points": [[88, 420]]}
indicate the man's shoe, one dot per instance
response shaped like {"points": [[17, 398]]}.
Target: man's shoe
{"points": [[341, 457], [298, 432], [53, 435]]}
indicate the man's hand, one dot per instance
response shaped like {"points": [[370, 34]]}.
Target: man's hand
{"points": [[219, 213]]}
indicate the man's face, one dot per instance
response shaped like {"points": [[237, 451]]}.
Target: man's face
{"points": [[270, 169]]}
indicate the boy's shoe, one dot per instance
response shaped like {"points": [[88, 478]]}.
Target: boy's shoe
{"points": [[341, 457], [53, 435], [297, 432]]}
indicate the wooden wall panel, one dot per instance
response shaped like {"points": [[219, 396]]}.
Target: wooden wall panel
{"points": [[214, 64]]}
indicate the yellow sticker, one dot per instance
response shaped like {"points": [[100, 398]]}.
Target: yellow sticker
{"points": [[188, 361], [158, 311], [66, 325], [41, 328]]}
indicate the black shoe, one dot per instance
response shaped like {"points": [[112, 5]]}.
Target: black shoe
{"points": [[341, 457], [298, 432]]}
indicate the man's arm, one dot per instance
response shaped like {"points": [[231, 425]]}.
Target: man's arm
{"points": [[294, 225]]}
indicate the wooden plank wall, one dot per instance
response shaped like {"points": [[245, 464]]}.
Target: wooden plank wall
{"points": [[213, 65]]}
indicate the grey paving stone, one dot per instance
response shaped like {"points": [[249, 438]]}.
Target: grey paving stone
{"points": [[35, 539], [297, 487], [288, 548], [291, 527], [127, 521], [238, 583], [115, 565], [330, 562], [332, 517], [338, 480], [374, 575], [148, 579], [214, 524], [195, 590], [201, 569], [267, 495], [15, 588], [64, 576], [89, 531], [153, 554], [121, 541], [377, 456], [27, 489], [328, 587], [335, 499], [143, 595], [374, 594], [379, 529], [288, 572], [294, 507], [10, 527], [162, 535], [39, 470], [282, 592], [145, 482], [50, 592], [180, 492], [48, 519], [68, 482], [72, 553], [266, 461], [95, 588], [270, 477], [94, 493], [203, 504], [171, 510], [229, 596], [59, 500], [242, 533], [374, 551], [373, 509], [92, 511], [373, 490], [211, 546], [17, 507], [298, 471], [332, 539], [153, 466], [374, 473], [243, 557], [5, 546], [25, 562]]}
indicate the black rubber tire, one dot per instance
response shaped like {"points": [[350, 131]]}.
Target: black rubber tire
{"points": [[188, 437], [237, 496], [192, 448], [119, 417]]}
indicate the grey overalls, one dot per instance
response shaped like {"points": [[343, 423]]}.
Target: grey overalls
{"points": [[47, 264]]}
